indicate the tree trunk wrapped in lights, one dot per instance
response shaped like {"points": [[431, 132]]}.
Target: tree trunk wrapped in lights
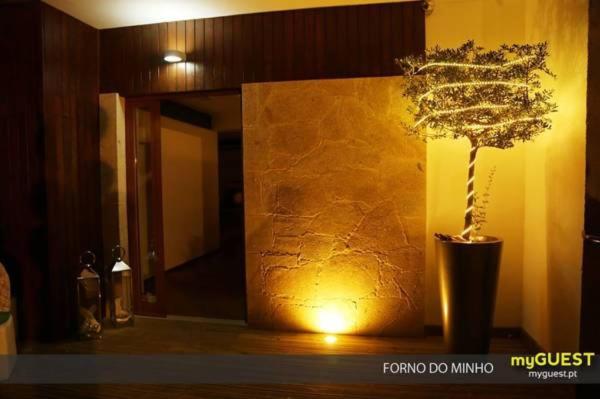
{"points": [[492, 98]]}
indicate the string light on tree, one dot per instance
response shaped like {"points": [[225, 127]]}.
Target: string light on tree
{"points": [[492, 98], [475, 66]]}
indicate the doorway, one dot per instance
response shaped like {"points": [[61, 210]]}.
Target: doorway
{"points": [[185, 205]]}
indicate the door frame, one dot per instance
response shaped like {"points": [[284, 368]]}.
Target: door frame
{"points": [[142, 307]]}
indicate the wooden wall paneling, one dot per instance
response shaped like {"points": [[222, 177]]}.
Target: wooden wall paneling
{"points": [[331, 47], [353, 61], [148, 57], [237, 51], [61, 259], [406, 28], [342, 43], [310, 46], [199, 67], [225, 52], [298, 55], [105, 67], [373, 33], [218, 35], [320, 40], [209, 54], [143, 58], [268, 54], [152, 37], [49, 141], [163, 68], [180, 69], [247, 49], [125, 43], [190, 49], [217, 52], [417, 45], [86, 104], [397, 25], [363, 40], [22, 203], [121, 57], [287, 43], [138, 57], [386, 56], [72, 170], [228, 53], [257, 60], [171, 45]]}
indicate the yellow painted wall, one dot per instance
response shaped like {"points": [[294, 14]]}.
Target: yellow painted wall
{"points": [[555, 181], [538, 192], [489, 23], [190, 189]]}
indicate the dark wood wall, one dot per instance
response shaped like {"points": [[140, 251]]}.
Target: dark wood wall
{"points": [[49, 143], [224, 52], [72, 152], [22, 199]]}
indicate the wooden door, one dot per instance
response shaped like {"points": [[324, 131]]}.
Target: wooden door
{"points": [[144, 203]]}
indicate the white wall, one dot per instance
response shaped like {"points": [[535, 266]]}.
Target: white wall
{"points": [[190, 189]]}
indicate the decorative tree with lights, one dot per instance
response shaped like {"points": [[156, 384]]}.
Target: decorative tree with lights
{"points": [[492, 98]]}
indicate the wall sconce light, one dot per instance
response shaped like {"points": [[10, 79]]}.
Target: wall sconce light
{"points": [[173, 56]]}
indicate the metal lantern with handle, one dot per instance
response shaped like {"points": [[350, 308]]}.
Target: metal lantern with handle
{"points": [[121, 291], [89, 298]]}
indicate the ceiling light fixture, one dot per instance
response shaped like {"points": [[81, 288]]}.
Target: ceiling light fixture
{"points": [[173, 56]]}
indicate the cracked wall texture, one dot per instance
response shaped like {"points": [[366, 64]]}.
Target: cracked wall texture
{"points": [[335, 207]]}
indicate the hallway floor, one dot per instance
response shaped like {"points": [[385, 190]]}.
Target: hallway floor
{"points": [[207, 287], [212, 286], [169, 336]]}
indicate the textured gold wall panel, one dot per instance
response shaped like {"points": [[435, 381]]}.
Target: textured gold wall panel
{"points": [[335, 207]]}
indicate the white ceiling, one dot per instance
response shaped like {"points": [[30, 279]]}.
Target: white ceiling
{"points": [[103, 14]]}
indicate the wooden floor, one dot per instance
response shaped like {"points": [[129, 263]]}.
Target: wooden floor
{"points": [[213, 285], [169, 336]]}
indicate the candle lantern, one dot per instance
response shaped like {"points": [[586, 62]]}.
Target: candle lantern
{"points": [[121, 292], [89, 297]]}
